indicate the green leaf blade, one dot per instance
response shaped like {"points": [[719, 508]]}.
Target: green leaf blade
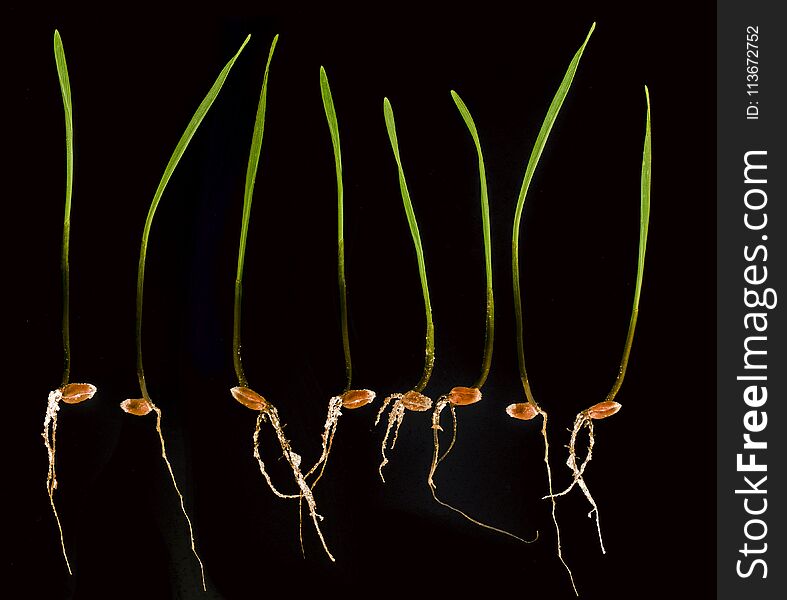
{"points": [[429, 353], [644, 202], [333, 127], [180, 148], [535, 155], [65, 91], [248, 196], [644, 221], [489, 337]]}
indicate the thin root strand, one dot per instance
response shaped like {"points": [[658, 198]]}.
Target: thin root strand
{"points": [[386, 402], [294, 461], [480, 523], [177, 489], [260, 420], [582, 420], [50, 436], [329, 431], [396, 416], [441, 403], [551, 496]]}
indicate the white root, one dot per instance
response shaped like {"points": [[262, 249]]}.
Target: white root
{"points": [[582, 420], [551, 496], [294, 461], [442, 402], [260, 420], [329, 431], [396, 416], [50, 436], [386, 402], [175, 484]]}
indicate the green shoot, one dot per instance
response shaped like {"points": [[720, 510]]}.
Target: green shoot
{"points": [[333, 126], [248, 194], [144, 405], [462, 396], [414, 399], [490, 298], [390, 125], [531, 407], [70, 393], [349, 399], [65, 89], [643, 242], [609, 407], [180, 149], [535, 155], [242, 393]]}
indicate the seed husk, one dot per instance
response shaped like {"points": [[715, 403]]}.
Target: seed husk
{"points": [[136, 406], [353, 399], [462, 396], [413, 400], [249, 398], [74, 393], [522, 410], [602, 410]]}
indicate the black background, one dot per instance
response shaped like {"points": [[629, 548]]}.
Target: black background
{"points": [[135, 84]]}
